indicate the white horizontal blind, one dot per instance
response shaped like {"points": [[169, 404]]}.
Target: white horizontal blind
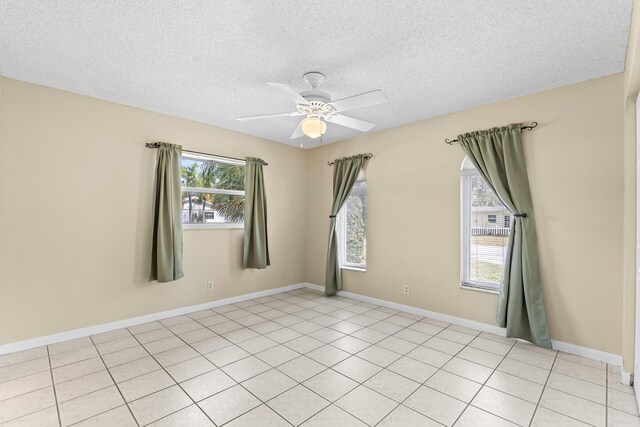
{"points": [[486, 225]]}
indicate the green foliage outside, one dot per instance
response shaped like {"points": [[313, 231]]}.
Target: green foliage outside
{"points": [[482, 194], [356, 216], [211, 174]]}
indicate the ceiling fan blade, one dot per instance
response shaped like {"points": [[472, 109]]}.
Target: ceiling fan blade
{"points": [[268, 116], [291, 92], [367, 99], [351, 122], [298, 132]]}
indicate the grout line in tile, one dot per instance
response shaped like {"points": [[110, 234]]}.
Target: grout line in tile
{"points": [[482, 385], [26, 392], [53, 386], [406, 355], [116, 385], [176, 382], [98, 414], [259, 400], [156, 391], [573, 395], [569, 416], [294, 299], [584, 364], [302, 385], [606, 395], [22, 361], [422, 384], [543, 390], [82, 360], [27, 414], [32, 373]]}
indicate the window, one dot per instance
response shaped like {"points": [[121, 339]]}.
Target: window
{"points": [[352, 226], [212, 191], [485, 231]]}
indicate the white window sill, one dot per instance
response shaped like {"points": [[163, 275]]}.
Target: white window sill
{"points": [[348, 267], [232, 225], [477, 288]]}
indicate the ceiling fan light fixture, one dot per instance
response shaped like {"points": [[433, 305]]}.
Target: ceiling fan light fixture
{"points": [[313, 127]]}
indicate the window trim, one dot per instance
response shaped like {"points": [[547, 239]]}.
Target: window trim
{"points": [[465, 235], [211, 191], [348, 267], [206, 157], [212, 225]]}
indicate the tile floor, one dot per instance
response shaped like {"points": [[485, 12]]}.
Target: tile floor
{"points": [[299, 358]]}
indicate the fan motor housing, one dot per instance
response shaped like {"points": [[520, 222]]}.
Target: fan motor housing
{"points": [[319, 108], [316, 96]]}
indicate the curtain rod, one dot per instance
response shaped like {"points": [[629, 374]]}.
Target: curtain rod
{"points": [[156, 144], [533, 126], [366, 156]]}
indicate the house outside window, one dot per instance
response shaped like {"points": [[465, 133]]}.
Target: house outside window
{"points": [[212, 191], [485, 232], [352, 227]]}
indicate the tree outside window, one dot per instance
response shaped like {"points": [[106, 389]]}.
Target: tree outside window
{"points": [[352, 226], [212, 190]]}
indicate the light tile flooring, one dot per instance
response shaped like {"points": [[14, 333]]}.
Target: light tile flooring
{"points": [[300, 358]]}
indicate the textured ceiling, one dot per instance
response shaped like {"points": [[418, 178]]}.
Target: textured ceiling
{"points": [[210, 60]]}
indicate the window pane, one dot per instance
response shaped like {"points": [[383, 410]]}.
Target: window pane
{"points": [[199, 208], [489, 232], [355, 225], [212, 174]]}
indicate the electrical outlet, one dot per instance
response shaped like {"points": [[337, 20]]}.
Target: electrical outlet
{"points": [[210, 285], [406, 289]]}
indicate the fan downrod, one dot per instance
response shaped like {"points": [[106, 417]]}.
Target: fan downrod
{"points": [[313, 79]]}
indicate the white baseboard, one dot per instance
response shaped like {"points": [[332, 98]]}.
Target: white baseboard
{"points": [[590, 353], [587, 352], [566, 347], [106, 327]]}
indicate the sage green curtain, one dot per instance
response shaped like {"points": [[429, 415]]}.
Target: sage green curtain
{"points": [[166, 249], [256, 242], [345, 173], [499, 157]]}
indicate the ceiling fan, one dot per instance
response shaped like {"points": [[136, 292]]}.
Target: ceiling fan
{"points": [[319, 109]]}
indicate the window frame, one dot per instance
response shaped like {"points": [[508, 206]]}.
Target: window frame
{"points": [[342, 233], [203, 190], [465, 235]]}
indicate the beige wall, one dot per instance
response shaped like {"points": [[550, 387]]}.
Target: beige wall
{"points": [[575, 169], [75, 217], [76, 186], [631, 88]]}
